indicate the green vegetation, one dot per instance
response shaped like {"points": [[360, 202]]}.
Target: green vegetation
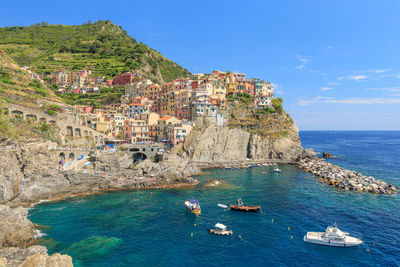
{"points": [[39, 88], [16, 86], [106, 96], [277, 104], [102, 47], [242, 97]]}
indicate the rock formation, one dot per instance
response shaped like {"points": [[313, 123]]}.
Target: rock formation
{"points": [[34, 256], [345, 179], [327, 155], [245, 135]]}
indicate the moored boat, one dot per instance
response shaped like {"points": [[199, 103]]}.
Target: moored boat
{"points": [[333, 237], [193, 205], [228, 168], [243, 208], [276, 169], [220, 229]]}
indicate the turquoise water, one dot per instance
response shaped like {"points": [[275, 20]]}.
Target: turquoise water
{"points": [[153, 228]]}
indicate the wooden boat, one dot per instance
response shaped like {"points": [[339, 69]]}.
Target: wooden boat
{"points": [[220, 230], [245, 208]]}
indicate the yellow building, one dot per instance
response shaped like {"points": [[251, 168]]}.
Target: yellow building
{"points": [[162, 126]]}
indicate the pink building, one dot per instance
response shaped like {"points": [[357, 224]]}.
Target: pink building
{"points": [[178, 131], [136, 130]]}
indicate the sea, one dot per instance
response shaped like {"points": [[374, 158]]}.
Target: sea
{"points": [[152, 227]]}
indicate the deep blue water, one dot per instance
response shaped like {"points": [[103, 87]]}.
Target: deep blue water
{"points": [[152, 227]]}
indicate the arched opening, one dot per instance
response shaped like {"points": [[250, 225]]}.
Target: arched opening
{"points": [[6, 111], [96, 140], [134, 149], [71, 156], [85, 133], [52, 122], [138, 157], [70, 131], [32, 117], [43, 120], [17, 113], [62, 156], [77, 132]]}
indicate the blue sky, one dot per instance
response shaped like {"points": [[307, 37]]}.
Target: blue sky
{"points": [[335, 63]]}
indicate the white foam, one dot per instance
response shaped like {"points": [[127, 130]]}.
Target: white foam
{"points": [[39, 234]]}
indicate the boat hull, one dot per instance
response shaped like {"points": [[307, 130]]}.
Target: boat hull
{"points": [[319, 240], [245, 208], [218, 232]]}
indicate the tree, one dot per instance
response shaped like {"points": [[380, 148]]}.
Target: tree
{"points": [[277, 104]]}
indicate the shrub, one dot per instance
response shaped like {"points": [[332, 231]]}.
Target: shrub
{"points": [[51, 112]]}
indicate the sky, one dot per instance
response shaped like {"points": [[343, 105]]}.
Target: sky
{"points": [[335, 63]]}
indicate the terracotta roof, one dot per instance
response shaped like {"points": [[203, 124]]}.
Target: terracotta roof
{"points": [[165, 118]]}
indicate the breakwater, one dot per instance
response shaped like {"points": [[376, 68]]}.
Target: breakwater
{"points": [[344, 179]]}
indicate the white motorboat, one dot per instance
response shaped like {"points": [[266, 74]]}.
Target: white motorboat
{"points": [[220, 230], [333, 236], [276, 169]]}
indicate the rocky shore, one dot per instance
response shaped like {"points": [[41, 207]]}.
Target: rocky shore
{"points": [[31, 174], [345, 179]]}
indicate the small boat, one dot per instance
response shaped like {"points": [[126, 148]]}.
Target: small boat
{"points": [[228, 168], [220, 230], [276, 169], [193, 205], [222, 206], [332, 236], [241, 207]]}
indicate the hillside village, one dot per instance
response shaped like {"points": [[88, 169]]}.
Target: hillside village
{"points": [[165, 112]]}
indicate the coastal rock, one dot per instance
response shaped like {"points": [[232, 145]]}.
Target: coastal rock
{"points": [[327, 155], [15, 228], [34, 256], [344, 179], [216, 144], [274, 137]]}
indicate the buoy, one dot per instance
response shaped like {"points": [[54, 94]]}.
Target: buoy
{"points": [[288, 228], [368, 250], [240, 236], [191, 234], [373, 244], [291, 237], [272, 220]]}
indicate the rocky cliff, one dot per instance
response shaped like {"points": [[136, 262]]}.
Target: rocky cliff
{"points": [[246, 134]]}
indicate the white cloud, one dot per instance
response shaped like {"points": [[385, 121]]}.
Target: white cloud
{"points": [[379, 70], [303, 60], [352, 100], [326, 88], [353, 77]]}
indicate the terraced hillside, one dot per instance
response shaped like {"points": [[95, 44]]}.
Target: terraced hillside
{"points": [[103, 47]]}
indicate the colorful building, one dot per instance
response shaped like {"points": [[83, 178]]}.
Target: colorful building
{"points": [[177, 132]]}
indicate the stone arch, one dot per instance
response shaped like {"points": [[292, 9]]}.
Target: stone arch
{"points": [[43, 119], [90, 133], [31, 117], [96, 139], [71, 155], [70, 131], [52, 122], [6, 111], [77, 132], [85, 132], [16, 113], [62, 156], [279, 155], [139, 157]]}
